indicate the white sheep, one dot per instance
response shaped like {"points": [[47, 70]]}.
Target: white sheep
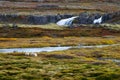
{"points": [[34, 54], [31, 54], [27, 54]]}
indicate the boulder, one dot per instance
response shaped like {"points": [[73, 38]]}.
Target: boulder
{"points": [[51, 18]]}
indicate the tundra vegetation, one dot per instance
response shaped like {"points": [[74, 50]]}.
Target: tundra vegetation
{"points": [[73, 64]]}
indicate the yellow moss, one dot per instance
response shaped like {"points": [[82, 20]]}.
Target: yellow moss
{"points": [[106, 42], [8, 39]]}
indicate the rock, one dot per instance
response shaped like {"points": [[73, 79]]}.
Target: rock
{"points": [[97, 15], [30, 19], [51, 18], [47, 6], [37, 20], [83, 18], [67, 16], [105, 17]]}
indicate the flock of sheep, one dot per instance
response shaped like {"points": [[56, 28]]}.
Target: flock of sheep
{"points": [[31, 54]]}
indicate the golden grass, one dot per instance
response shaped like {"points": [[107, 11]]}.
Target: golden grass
{"points": [[47, 26], [111, 26], [8, 39], [49, 41]]}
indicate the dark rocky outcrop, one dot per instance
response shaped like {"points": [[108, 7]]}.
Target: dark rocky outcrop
{"points": [[84, 18], [112, 17], [37, 20], [32, 19]]}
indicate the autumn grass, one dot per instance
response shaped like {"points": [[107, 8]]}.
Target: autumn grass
{"points": [[115, 27], [50, 41], [8, 39], [111, 26], [74, 64], [81, 7], [53, 30], [46, 26]]}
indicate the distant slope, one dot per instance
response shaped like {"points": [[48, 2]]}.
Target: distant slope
{"points": [[75, 7], [115, 18], [115, 1]]}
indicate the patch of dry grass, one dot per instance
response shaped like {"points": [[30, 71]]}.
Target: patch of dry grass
{"points": [[47, 26], [111, 26], [8, 39], [49, 41]]}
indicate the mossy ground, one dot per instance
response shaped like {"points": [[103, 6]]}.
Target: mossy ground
{"points": [[74, 64]]}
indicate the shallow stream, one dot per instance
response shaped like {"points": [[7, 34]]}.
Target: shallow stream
{"points": [[50, 49]]}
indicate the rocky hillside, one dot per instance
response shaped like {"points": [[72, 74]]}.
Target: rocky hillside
{"points": [[25, 11], [84, 18]]}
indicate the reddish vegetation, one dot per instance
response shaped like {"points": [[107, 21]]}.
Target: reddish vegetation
{"points": [[79, 5], [38, 32]]}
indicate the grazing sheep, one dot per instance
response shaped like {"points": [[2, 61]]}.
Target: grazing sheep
{"points": [[27, 54], [31, 54], [34, 54], [59, 45]]}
